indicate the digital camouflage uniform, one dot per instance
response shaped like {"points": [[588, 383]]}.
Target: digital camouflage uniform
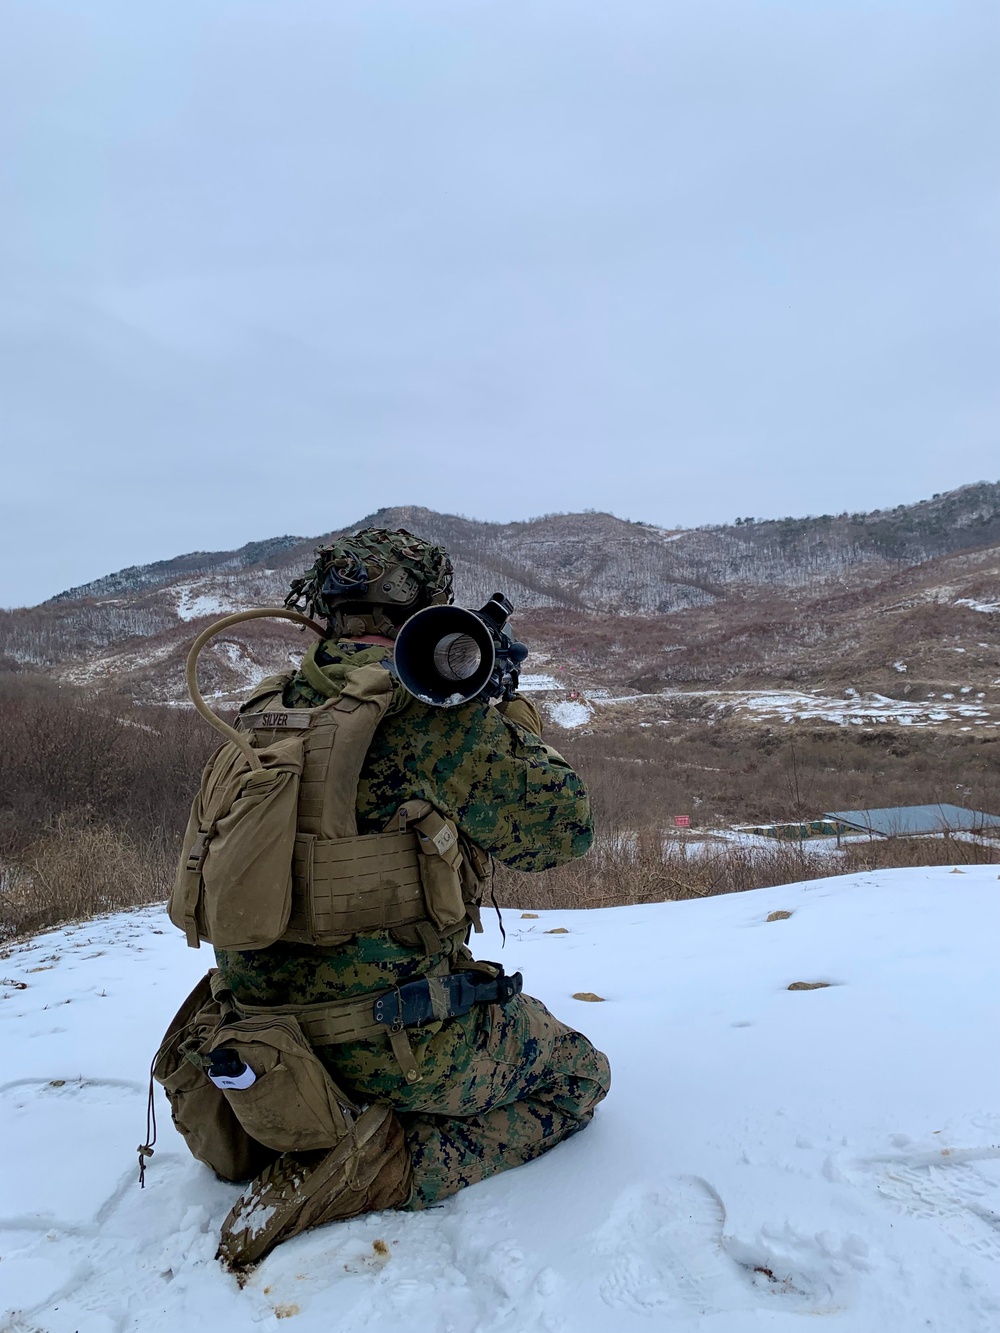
{"points": [[501, 1084]]}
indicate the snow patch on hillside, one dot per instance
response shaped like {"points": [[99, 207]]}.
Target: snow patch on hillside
{"points": [[538, 681], [569, 713], [192, 603], [765, 1155], [854, 709], [217, 596], [240, 661], [114, 665]]}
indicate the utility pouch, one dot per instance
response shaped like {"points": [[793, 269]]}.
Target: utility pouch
{"points": [[439, 858], [234, 881], [199, 1110], [292, 1105]]}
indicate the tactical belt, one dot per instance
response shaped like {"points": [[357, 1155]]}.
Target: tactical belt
{"points": [[391, 1012]]}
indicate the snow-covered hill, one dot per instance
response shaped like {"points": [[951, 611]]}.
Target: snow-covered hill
{"points": [[765, 1155]]}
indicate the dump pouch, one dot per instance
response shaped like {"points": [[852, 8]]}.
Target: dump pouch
{"points": [[234, 882], [199, 1110], [293, 1105]]}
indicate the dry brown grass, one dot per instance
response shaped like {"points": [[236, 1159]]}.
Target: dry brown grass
{"points": [[77, 871], [888, 853], [93, 800], [725, 773], [623, 871]]}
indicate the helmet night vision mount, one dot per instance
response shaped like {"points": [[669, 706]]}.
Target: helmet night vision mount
{"points": [[446, 655]]}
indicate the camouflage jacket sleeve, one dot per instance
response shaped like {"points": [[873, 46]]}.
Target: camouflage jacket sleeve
{"points": [[549, 823], [513, 795]]}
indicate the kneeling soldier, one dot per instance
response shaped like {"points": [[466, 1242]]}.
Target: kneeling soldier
{"points": [[337, 856]]}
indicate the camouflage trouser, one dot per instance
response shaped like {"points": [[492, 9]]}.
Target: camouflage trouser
{"points": [[499, 1086]]}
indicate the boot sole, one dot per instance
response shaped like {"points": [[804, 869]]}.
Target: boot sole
{"points": [[256, 1224]]}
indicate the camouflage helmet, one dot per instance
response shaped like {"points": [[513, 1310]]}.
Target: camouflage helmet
{"points": [[373, 580]]}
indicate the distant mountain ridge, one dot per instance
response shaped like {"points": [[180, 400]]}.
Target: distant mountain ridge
{"points": [[783, 599], [137, 577], [595, 561]]}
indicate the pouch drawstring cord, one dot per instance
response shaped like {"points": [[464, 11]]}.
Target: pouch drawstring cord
{"points": [[146, 1149]]}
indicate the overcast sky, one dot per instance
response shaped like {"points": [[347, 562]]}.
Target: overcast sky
{"points": [[265, 267]]}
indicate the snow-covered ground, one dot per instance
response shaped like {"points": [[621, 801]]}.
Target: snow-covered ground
{"points": [[537, 682], [759, 842], [852, 709], [766, 1156]]}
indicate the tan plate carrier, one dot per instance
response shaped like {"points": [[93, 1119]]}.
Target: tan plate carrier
{"points": [[272, 849]]}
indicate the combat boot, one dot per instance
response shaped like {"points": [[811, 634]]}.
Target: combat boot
{"points": [[368, 1170]]}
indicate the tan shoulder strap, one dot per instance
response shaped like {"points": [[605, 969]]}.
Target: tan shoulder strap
{"points": [[269, 688], [191, 668], [338, 743]]}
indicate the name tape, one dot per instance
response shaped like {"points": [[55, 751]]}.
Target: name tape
{"points": [[294, 719]]}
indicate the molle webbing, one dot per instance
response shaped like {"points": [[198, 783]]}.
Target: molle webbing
{"points": [[325, 809], [345, 886], [325, 1024]]}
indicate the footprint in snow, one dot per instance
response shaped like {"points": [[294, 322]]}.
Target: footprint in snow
{"points": [[670, 1256], [959, 1189]]}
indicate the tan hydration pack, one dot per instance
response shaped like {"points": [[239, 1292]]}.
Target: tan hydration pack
{"points": [[272, 849]]}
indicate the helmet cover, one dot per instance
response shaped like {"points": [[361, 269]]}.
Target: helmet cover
{"points": [[373, 580]]}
